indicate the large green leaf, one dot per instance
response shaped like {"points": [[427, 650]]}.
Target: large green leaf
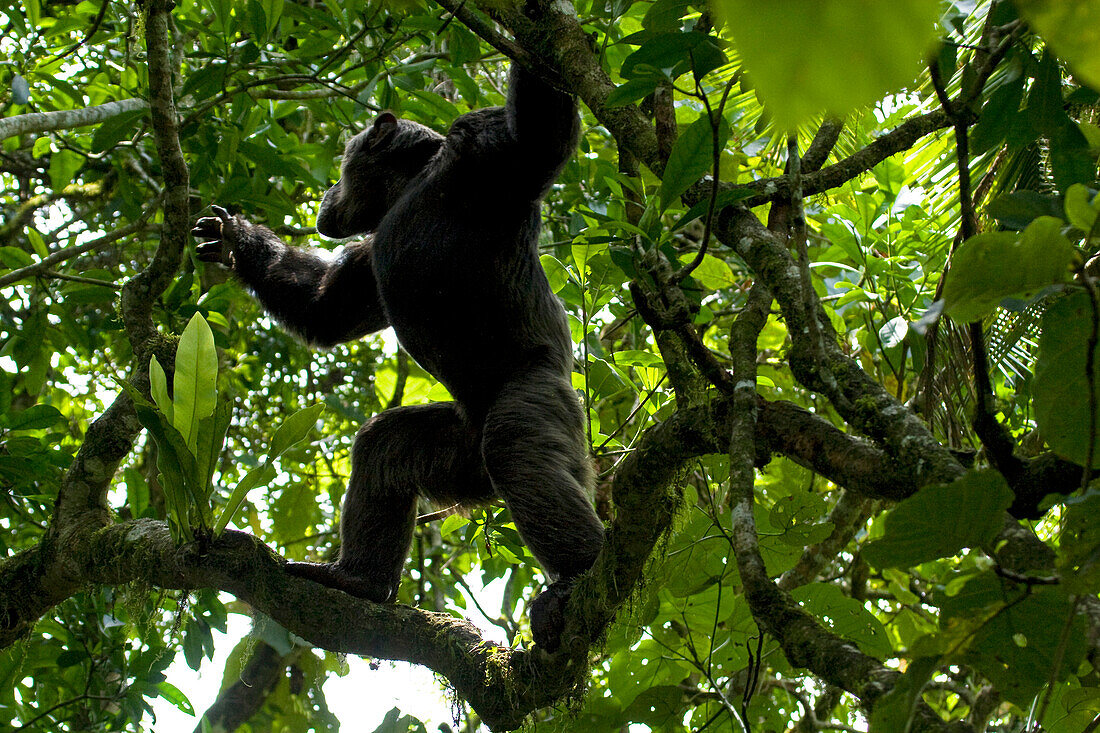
{"points": [[806, 58], [177, 470], [63, 166], [35, 417], [1014, 635], [195, 381], [674, 54], [990, 267], [1081, 207], [938, 521], [1080, 543], [692, 157], [293, 429], [1061, 386], [846, 616], [211, 437], [1072, 28], [158, 387]]}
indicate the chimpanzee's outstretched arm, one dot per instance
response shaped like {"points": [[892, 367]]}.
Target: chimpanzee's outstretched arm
{"points": [[323, 301], [544, 122]]}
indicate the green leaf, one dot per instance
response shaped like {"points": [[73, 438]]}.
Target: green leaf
{"points": [[894, 710], [177, 470], [293, 512], [665, 15], [1080, 544], [556, 272], [714, 273], [938, 521], [172, 694], [631, 91], [999, 116], [293, 429], [722, 200], [845, 616], [116, 129], [14, 258], [692, 156], [158, 386], [674, 54], [35, 417], [452, 523], [990, 267], [262, 474], [41, 146], [137, 492], [585, 250], [1014, 635], [1017, 210], [1060, 387], [195, 382], [1072, 28], [832, 56], [211, 434], [395, 722], [257, 20], [273, 10], [629, 357], [1080, 206], [63, 166], [37, 242]]}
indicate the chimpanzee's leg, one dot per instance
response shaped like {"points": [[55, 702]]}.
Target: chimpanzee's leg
{"points": [[428, 450], [537, 457]]}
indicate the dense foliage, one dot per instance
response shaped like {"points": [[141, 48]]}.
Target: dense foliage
{"points": [[828, 268]]}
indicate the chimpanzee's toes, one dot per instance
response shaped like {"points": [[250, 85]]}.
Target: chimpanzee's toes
{"points": [[547, 615], [332, 575]]}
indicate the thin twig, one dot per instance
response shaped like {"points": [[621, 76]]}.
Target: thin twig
{"points": [[716, 159], [91, 31]]}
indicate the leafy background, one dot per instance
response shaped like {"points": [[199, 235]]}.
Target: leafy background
{"points": [[267, 92]]}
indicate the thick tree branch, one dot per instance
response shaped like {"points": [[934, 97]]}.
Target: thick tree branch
{"points": [[804, 640], [897, 140], [67, 118], [246, 695], [860, 400]]}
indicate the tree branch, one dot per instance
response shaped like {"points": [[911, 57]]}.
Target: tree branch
{"points": [[67, 118], [68, 253], [142, 291]]}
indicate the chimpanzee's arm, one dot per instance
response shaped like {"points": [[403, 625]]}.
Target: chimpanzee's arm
{"points": [[544, 122], [323, 301]]}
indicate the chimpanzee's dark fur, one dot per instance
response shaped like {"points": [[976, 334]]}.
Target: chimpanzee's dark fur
{"points": [[453, 266]]}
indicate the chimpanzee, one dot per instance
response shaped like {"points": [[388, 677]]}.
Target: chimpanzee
{"points": [[451, 262]]}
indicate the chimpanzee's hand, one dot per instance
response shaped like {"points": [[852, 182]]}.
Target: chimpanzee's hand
{"points": [[218, 236]]}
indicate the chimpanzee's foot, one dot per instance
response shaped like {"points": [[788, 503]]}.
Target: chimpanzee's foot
{"points": [[547, 614], [333, 576]]}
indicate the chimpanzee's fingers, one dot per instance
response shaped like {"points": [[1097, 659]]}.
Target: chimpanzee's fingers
{"points": [[222, 213], [208, 226], [209, 251]]}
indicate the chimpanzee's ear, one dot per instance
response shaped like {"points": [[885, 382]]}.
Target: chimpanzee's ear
{"points": [[384, 125]]}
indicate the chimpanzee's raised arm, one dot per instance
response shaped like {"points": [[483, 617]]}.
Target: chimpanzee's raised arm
{"points": [[324, 301], [544, 122]]}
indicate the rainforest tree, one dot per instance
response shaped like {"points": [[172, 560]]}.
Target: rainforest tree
{"points": [[830, 275]]}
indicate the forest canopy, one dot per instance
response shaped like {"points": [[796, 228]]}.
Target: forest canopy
{"points": [[830, 274]]}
